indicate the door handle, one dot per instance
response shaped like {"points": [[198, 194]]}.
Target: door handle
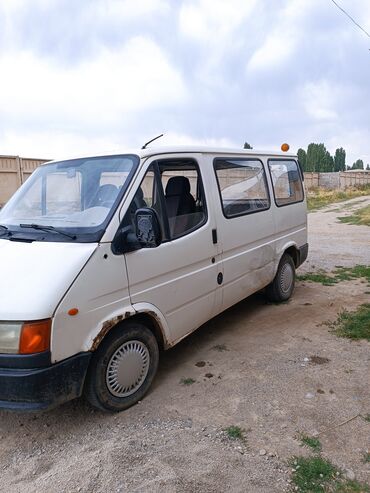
{"points": [[214, 236]]}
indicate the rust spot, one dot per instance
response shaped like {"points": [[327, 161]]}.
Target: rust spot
{"points": [[106, 327]]}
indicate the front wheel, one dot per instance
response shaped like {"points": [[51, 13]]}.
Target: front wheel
{"points": [[282, 286], [123, 368]]}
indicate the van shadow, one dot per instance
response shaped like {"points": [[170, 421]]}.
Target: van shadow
{"points": [[78, 417], [215, 332]]}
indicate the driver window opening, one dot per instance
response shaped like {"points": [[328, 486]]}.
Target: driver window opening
{"points": [[178, 198]]}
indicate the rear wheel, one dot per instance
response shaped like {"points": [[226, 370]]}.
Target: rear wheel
{"points": [[282, 286], [123, 368]]}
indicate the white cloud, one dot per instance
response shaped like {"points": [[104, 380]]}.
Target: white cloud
{"points": [[104, 90], [49, 144], [320, 99], [173, 138], [276, 49], [127, 9], [282, 38], [213, 20]]}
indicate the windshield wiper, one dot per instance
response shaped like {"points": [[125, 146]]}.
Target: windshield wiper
{"points": [[47, 228], [5, 229]]}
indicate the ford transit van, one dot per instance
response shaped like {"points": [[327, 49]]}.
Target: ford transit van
{"points": [[105, 261]]}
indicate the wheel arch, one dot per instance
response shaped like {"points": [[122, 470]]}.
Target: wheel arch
{"points": [[292, 250], [142, 313]]}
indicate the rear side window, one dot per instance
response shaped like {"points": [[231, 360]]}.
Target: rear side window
{"points": [[286, 181], [242, 185]]}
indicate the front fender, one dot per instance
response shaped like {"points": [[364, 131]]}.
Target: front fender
{"points": [[159, 318], [96, 336]]}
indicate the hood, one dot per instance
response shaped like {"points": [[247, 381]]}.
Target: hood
{"points": [[35, 276]]}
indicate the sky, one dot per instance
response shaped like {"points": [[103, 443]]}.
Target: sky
{"points": [[101, 76]]}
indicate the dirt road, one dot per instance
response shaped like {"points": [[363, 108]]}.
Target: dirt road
{"points": [[252, 368]]}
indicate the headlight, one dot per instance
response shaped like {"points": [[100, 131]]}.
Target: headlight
{"points": [[25, 337], [9, 336]]}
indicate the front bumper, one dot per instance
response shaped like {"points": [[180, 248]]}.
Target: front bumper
{"points": [[43, 388]]}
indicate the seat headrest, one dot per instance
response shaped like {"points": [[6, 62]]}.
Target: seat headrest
{"points": [[178, 185], [107, 192]]}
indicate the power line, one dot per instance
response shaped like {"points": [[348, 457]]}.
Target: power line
{"points": [[350, 17]]}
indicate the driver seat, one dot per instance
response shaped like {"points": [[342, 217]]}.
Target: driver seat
{"points": [[105, 196]]}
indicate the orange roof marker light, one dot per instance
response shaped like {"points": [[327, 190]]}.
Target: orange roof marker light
{"points": [[285, 147]]}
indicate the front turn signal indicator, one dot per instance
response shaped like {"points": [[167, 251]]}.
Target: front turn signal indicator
{"points": [[35, 337]]}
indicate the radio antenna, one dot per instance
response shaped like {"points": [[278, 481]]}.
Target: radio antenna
{"points": [[150, 141]]}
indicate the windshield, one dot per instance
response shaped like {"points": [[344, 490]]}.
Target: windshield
{"points": [[68, 200]]}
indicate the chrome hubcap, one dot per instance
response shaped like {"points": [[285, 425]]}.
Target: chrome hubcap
{"points": [[286, 278], [127, 368]]}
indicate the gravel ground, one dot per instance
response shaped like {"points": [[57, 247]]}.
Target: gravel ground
{"points": [[334, 243], [252, 367]]}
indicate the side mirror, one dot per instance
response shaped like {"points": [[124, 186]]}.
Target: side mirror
{"points": [[148, 229], [125, 241]]}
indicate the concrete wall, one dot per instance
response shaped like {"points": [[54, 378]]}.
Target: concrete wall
{"points": [[337, 181], [15, 170]]}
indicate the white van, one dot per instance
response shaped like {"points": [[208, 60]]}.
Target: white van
{"points": [[105, 261]]}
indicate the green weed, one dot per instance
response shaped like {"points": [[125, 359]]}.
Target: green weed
{"points": [[312, 442], [320, 277], [339, 274], [187, 381], [351, 487], [235, 433], [366, 457], [312, 474], [353, 325], [318, 475]]}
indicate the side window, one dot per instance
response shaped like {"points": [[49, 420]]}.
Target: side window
{"points": [[242, 184], [183, 196], [178, 198], [286, 181]]}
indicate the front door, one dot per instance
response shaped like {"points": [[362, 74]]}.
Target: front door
{"points": [[179, 277]]}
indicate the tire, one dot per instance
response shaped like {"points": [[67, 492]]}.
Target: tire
{"points": [[282, 287], [123, 368]]}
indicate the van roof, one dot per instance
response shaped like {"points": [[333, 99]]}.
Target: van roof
{"points": [[194, 149], [150, 151]]}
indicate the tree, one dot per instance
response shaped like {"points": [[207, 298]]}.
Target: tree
{"points": [[368, 167], [359, 164], [302, 158], [318, 158], [247, 146], [340, 160], [327, 165]]}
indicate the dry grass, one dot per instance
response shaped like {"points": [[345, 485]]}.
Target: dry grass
{"points": [[360, 217], [319, 197]]}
